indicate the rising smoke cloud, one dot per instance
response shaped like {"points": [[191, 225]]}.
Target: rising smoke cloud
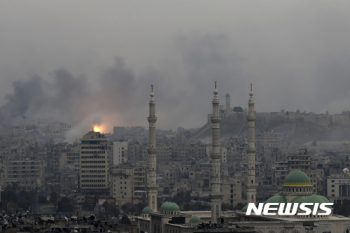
{"points": [[183, 86]]}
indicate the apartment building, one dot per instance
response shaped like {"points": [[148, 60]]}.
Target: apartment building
{"points": [[94, 164]]}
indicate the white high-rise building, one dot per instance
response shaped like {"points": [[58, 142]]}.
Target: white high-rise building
{"points": [[120, 153]]}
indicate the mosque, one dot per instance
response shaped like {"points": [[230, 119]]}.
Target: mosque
{"points": [[297, 188]]}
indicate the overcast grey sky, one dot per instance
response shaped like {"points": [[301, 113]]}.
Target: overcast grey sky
{"points": [[95, 60]]}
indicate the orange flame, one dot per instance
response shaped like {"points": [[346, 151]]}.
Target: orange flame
{"points": [[97, 128]]}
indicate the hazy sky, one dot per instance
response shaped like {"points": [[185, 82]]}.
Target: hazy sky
{"points": [[82, 61]]}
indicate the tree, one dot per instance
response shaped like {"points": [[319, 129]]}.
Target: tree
{"points": [[237, 109], [65, 205], [128, 208], [53, 197], [42, 199], [182, 197], [239, 206], [8, 195], [25, 199], [125, 220], [187, 207], [140, 206], [111, 209]]}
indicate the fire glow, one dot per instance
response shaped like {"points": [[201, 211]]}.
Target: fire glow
{"points": [[97, 128]]}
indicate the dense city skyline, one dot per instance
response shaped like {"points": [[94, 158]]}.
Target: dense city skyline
{"points": [[95, 62]]}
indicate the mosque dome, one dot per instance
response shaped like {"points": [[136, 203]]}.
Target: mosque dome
{"points": [[147, 210], [297, 177], [170, 206], [164, 205], [195, 219], [299, 200], [173, 207], [325, 200], [277, 199], [310, 199]]}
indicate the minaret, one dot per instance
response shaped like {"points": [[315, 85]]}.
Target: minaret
{"points": [[215, 155], [152, 186], [228, 102], [251, 185]]}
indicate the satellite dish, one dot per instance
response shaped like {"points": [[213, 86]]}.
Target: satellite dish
{"points": [[345, 171]]}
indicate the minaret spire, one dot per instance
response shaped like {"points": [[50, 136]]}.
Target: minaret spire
{"points": [[251, 185], [215, 154], [152, 186]]}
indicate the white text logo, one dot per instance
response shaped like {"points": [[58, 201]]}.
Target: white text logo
{"points": [[290, 209]]}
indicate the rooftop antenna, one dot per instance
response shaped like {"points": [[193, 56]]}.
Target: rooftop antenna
{"points": [[92, 128], [24, 123]]}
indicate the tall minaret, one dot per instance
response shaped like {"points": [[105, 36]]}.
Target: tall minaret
{"points": [[215, 155], [251, 185], [228, 102], [152, 186]]}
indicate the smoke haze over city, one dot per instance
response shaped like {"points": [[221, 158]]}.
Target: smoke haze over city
{"points": [[84, 63]]}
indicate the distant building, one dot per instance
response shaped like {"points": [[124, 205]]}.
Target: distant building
{"points": [[120, 153], [122, 185], [232, 191], [54, 128], [338, 188], [302, 161], [26, 172], [130, 132], [94, 163]]}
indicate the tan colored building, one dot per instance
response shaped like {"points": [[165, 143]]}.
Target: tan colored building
{"points": [[232, 191], [122, 185], [140, 178], [301, 161], [94, 164], [120, 153], [26, 172]]}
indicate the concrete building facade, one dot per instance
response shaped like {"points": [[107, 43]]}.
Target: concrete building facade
{"points": [[94, 163], [120, 152]]}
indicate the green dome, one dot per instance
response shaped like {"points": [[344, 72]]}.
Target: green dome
{"points": [[173, 207], [276, 199], [300, 199], [170, 206], [147, 210], [245, 208], [325, 200], [195, 219], [164, 205], [315, 199], [297, 177], [310, 199]]}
